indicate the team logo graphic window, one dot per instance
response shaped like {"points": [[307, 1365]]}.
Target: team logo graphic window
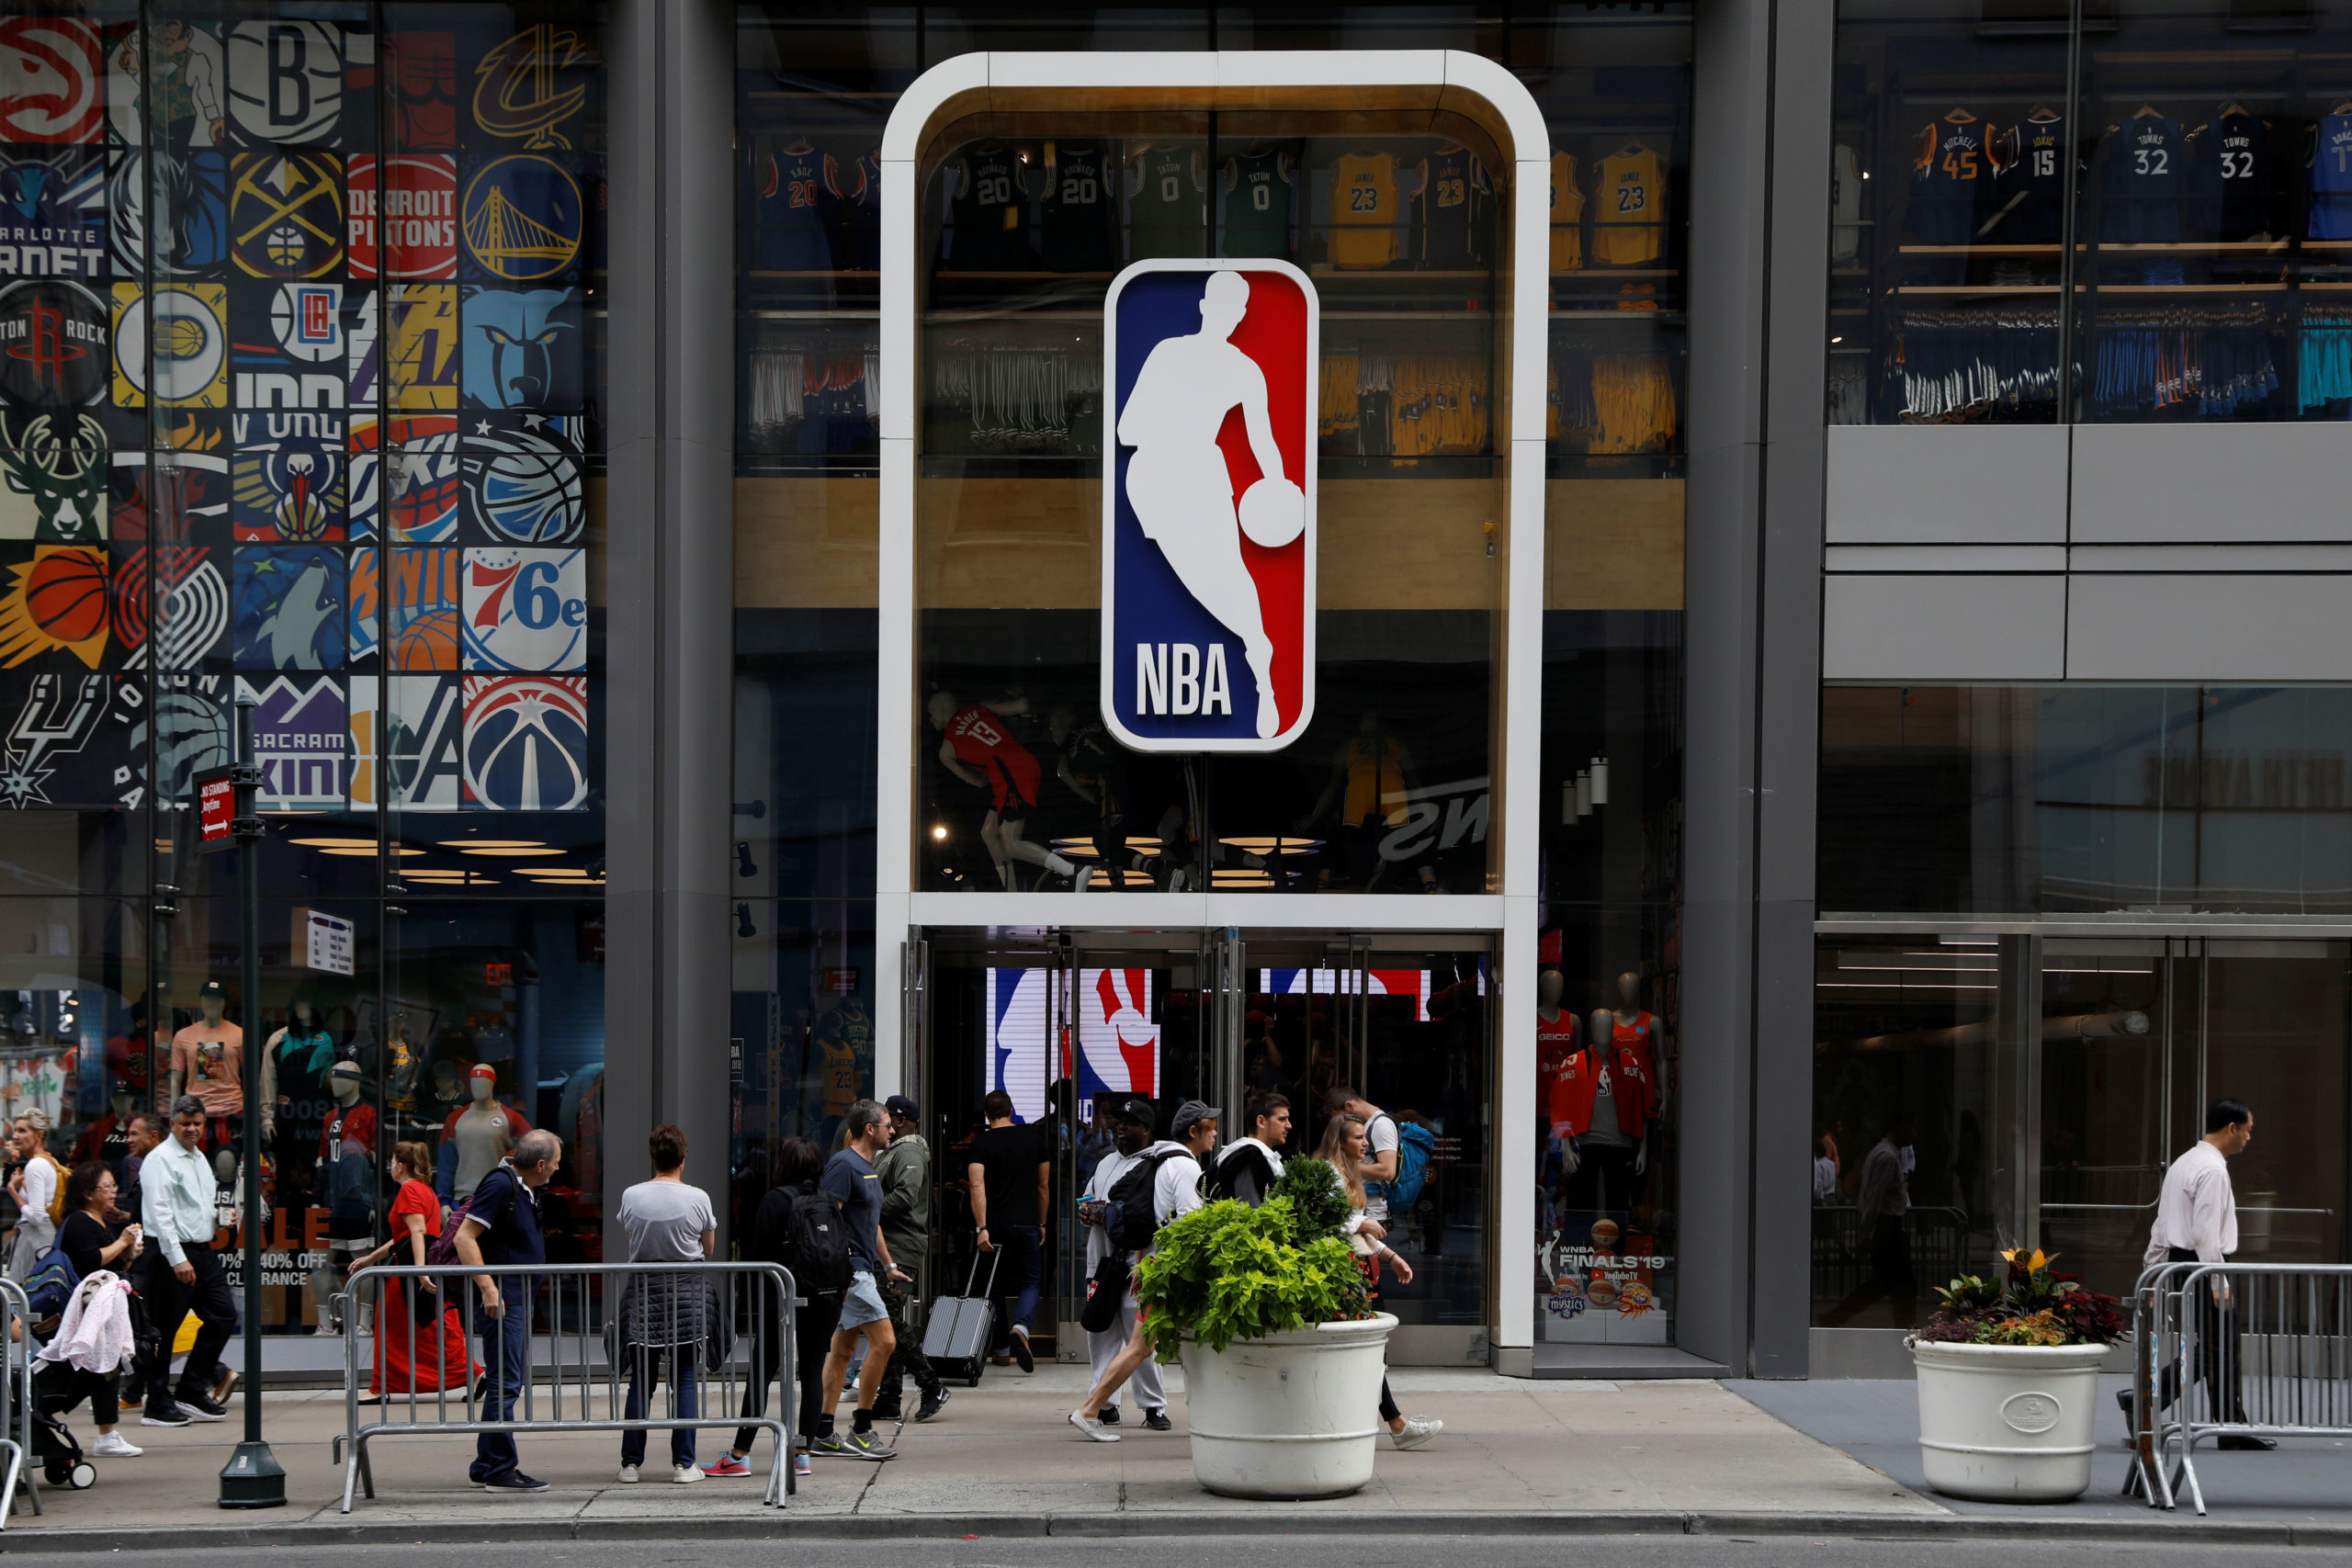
{"points": [[195, 598], [424, 71], [523, 348], [285, 213], [423, 345], [527, 87], [285, 82], [289, 607], [523, 483], [52, 80], [418, 476], [286, 497], [65, 741], [527, 743], [53, 477], [410, 231], [526, 610], [191, 347], [427, 597], [53, 344], [191, 190], [422, 723], [288, 346], [302, 741], [524, 220], [53, 215], [1208, 528], [56, 601]]}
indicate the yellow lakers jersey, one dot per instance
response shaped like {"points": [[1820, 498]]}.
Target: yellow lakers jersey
{"points": [[1567, 215], [1629, 228], [1366, 211]]}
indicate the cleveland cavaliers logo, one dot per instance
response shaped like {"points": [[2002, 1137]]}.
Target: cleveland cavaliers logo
{"points": [[518, 91], [1208, 529]]}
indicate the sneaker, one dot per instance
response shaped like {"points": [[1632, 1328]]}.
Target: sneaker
{"points": [[685, 1474], [1092, 1427], [887, 1410], [513, 1481], [1156, 1419], [933, 1403], [628, 1475], [1021, 1352], [726, 1467], [200, 1408], [1418, 1429], [867, 1445], [164, 1415], [113, 1445], [832, 1444], [226, 1384], [1110, 1416], [801, 1465]]}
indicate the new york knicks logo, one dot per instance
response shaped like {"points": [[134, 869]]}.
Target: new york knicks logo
{"points": [[1208, 527]]}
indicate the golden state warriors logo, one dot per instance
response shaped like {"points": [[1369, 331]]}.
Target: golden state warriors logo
{"points": [[523, 219], [1208, 528]]}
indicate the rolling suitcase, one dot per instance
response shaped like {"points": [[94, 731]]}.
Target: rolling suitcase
{"points": [[955, 1341]]}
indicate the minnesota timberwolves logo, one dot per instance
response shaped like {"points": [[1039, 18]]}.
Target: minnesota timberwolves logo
{"points": [[1208, 527]]}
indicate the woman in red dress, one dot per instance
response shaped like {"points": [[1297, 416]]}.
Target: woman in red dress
{"points": [[416, 1217]]}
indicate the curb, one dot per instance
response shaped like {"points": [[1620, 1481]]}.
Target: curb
{"points": [[356, 1529]]}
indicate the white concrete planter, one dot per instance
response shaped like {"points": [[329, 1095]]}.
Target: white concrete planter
{"points": [[1288, 1416], [2007, 1423]]}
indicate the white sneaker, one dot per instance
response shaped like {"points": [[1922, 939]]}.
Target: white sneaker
{"points": [[114, 1445], [628, 1475], [1093, 1428], [684, 1473], [1418, 1429]]}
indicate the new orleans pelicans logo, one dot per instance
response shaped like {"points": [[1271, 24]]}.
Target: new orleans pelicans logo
{"points": [[1208, 528]]}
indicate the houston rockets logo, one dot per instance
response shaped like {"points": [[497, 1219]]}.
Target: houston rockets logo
{"points": [[1208, 527]]}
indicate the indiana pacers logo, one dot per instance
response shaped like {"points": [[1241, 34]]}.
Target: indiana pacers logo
{"points": [[1208, 559], [189, 322], [523, 218], [520, 87], [54, 344], [285, 214]]}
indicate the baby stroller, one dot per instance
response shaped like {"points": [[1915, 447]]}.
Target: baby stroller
{"points": [[54, 1447]]}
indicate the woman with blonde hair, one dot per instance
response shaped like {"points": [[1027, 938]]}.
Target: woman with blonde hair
{"points": [[1343, 1149], [410, 1358]]}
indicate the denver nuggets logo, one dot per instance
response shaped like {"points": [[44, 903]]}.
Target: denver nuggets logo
{"points": [[527, 744], [285, 214], [1208, 565], [526, 610]]}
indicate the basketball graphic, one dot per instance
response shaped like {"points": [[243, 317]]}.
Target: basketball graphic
{"points": [[527, 743], [1602, 1292], [66, 594], [423, 596], [285, 214], [427, 643], [191, 347], [285, 81], [522, 487]]}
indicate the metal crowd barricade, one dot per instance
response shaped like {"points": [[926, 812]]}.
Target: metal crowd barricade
{"points": [[16, 1401], [657, 1316], [2222, 1350]]}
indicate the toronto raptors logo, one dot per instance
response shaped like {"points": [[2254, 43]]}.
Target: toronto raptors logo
{"points": [[53, 344], [518, 91]]}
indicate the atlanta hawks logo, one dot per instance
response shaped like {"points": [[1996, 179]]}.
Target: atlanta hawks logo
{"points": [[1208, 529]]}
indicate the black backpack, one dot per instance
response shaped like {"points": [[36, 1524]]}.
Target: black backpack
{"points": [[1218, 1182], [1131, 1220], [815, 1241]]}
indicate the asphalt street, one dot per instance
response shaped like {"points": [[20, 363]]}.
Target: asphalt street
{"points": [[1367, 1549]]}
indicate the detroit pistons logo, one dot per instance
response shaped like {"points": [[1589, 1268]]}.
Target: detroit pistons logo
{"points": [[1208, 529]]}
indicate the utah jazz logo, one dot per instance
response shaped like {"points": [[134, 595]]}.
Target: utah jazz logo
{"points": [[1208, 564], [516, 90], [523, 218]]}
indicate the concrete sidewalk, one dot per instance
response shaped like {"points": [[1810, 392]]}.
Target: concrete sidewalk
{"points": [[1520, 1457]]}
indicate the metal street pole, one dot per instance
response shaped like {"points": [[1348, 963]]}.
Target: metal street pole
{"points": [[253, 1478]]}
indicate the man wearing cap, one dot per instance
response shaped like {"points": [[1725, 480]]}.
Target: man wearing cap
{"points": [[206, 1057], [905, 1170], [1175, 1190], [477, 1135], [1131, 1121]]}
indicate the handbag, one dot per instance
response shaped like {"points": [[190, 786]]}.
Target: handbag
{"points": [[1107, 1290]]}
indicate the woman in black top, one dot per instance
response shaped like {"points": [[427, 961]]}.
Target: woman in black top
{"points": [[94, 1236]]}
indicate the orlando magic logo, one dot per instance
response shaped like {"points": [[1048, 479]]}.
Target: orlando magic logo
{"points": [[1208, 528]]}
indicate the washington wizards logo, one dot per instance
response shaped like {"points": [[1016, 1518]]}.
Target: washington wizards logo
{"points": [[527, 743], [1208, 564]]}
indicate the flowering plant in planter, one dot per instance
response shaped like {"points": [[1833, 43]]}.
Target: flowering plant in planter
{"points": [[2027, 1304]]}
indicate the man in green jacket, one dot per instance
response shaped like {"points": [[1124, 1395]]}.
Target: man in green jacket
{"points": [[905, 1170]]}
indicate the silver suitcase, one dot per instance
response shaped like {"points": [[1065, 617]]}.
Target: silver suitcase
{"points": [[955, 1341]]}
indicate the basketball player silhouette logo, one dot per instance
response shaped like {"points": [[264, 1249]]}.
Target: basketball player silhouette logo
{"points": [[1209, 519]]}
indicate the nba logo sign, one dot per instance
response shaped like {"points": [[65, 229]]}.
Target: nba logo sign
{"points": [[1208, 514]]}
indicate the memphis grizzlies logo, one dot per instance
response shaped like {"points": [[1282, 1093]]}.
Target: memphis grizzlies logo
{"points": [[1208, 527], [526, 610]]}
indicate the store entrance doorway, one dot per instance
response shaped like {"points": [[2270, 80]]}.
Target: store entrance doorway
{"points": [[1064, 1022]]}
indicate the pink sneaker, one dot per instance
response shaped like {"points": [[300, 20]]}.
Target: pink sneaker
{"points": [[726, 1466]]}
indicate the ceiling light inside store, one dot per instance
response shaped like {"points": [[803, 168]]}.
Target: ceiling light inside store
{"points": [[369, 852], [518, 850], [463, 844], [367, 844], [1901, 986]]}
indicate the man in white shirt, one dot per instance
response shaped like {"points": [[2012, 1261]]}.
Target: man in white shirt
{"points": [[1131, 1123], [2196, 1222]]}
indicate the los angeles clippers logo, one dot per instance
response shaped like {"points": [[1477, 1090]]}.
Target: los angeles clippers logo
{"points": [[1208, 528]]}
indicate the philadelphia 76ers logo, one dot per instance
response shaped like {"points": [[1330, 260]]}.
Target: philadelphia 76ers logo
{"points": [[1208, 525]]}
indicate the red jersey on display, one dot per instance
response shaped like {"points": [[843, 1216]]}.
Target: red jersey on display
{"points": [[1555, 1046], [981, 741], [355, 1123], [1640, 1037], [1577, 1085]]}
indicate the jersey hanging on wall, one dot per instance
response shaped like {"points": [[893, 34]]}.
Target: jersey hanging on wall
{"points": [[2233, 183], [2030, 187], [1077, 216], [1167, 209], [1258, 203], [1951, 174], [1567, 215], [990, 211], [799, 194], [1208, 564], [1450, 212], [2140, 182], [1629, 191], [1367, 212]]}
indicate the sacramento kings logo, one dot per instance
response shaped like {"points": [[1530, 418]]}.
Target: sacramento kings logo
{"points": [[527, 744], [520, 486]]}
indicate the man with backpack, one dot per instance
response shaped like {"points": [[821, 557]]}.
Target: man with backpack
{"points": [[1111, 1303], [1160, 1184], [798, 1226], [855, 1187], [1396, 1155], [905, 1170], [1249, 1166]]}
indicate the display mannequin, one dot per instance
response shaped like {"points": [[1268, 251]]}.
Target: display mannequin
{"points": [[1602, 1107], [294, 1066], [1556, 1044], [344, 1185], [475, 1138], [108, 1138], [979, 749], [1638, 1031], [206, 1057]]}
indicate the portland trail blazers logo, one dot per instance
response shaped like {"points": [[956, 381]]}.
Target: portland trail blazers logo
{"points": [[1209, 566]]}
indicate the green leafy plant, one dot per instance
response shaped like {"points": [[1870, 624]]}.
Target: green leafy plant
{"points": [[1315, 1194], [2030, 1304], [1228, 1271]]}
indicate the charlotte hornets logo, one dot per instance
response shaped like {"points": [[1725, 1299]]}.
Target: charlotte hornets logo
{"points": [[527, 744], [1208, 529]]}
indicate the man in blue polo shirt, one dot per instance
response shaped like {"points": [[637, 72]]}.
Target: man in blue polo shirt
{"points": [[502, 1225]]}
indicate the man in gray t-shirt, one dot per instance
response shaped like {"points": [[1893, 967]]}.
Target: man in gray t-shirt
{"points": [[664, 1316]]}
